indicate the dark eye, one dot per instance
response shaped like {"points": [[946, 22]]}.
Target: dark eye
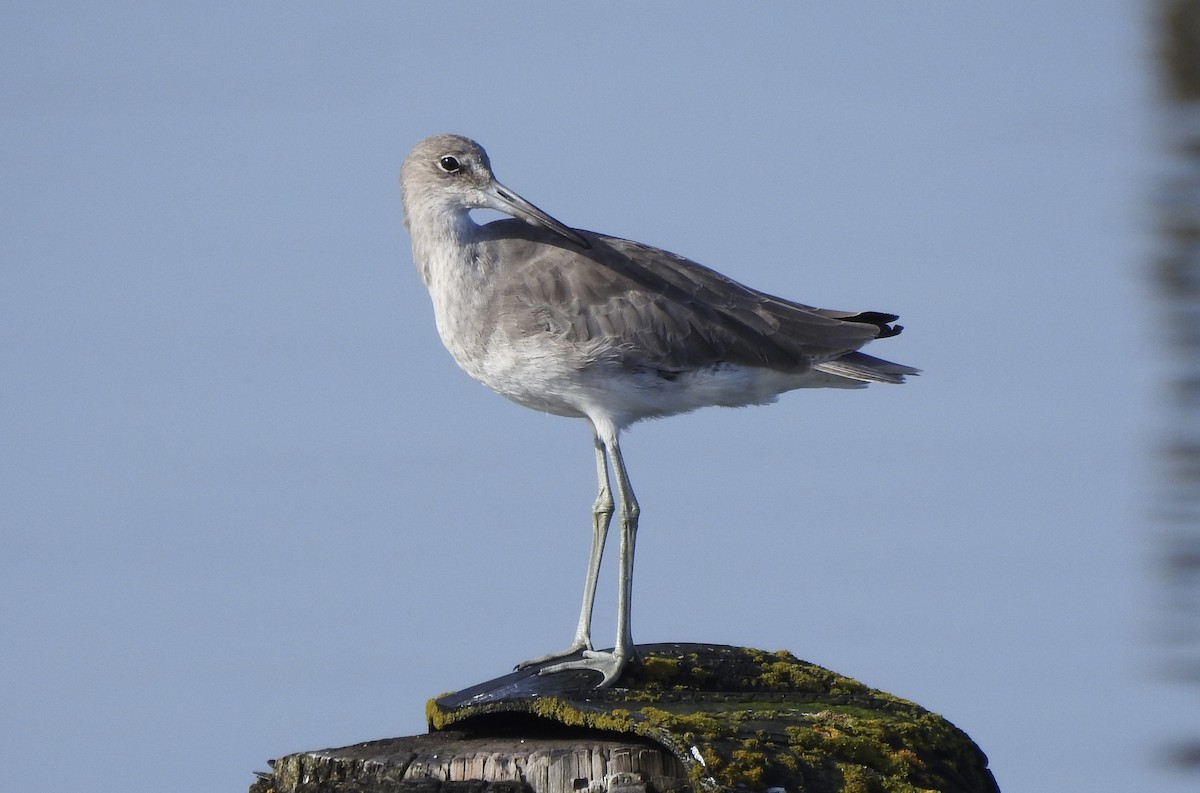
{"points": [[450, 164]]}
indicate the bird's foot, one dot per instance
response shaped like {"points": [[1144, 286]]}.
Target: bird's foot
{"points": [[608, 663], [580, 644]]}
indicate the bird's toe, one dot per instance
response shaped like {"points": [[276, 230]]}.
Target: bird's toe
{"points": [[609, 664]]}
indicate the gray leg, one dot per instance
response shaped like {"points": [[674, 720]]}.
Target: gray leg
{"points": [[602, 511], [629, 526], [611, 664]]}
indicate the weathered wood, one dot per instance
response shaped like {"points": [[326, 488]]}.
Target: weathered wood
{"points": [[436, 763], [686, 717]]}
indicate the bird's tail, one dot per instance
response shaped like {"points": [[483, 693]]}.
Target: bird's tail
{"points": [[866, 368]]}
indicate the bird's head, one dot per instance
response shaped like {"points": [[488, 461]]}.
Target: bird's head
{"points": [[446, 176]]}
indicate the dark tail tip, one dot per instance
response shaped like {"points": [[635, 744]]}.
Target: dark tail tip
{"points": [[880, 320]]}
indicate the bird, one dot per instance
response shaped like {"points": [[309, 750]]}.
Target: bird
{"points": [[585, 325]]}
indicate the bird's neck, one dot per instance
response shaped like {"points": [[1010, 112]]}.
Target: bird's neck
{"points": [[442, 241], [446, 249]]}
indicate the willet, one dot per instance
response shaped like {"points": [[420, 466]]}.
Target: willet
{"points": [[581, 324]]}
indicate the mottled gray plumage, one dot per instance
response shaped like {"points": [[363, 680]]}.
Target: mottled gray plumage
{"points": [[582, 324], [662, 311]]}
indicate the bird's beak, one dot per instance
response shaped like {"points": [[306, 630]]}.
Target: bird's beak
{"points": [[501, 199]]}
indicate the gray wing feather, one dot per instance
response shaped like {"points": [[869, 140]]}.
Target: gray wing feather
{"points": [[860, 366], [651, 308]]}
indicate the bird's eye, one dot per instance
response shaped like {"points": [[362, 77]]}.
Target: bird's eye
{"points": [[450, 164]]}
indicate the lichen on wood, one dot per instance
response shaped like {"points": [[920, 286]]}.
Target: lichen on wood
{"points": [[740, 718]]}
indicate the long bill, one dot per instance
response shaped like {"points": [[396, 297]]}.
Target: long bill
{"points": [[501, 199]]}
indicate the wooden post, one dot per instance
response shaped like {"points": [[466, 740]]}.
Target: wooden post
{"points": [[688, 718]]}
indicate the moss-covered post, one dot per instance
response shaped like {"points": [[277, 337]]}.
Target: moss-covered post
{"points": [[688, 717]]}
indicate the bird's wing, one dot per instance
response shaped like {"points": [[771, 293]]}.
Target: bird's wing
{"points": [[654, 308]]}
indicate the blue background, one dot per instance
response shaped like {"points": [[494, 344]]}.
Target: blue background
{"points": [[249, 505]]}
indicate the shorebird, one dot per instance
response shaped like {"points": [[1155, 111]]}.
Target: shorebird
{"points": [[585, 325]]}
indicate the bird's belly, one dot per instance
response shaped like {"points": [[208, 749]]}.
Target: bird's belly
{"points": [[539, 378], [654, 393], [562, 385], [545, 372]]}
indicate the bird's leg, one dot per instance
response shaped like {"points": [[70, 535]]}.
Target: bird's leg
{"points": [[611, 664], [629, 526], [602, 512]]}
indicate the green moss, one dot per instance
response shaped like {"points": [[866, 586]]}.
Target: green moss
{"points": [[760, 719], [875, 753], [747, 766], [659, 670], [694, 725], [616, 720], [435, 717], [868, 750]]}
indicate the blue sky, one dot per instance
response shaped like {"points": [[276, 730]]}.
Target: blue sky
{"points": [[250, 506]]}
